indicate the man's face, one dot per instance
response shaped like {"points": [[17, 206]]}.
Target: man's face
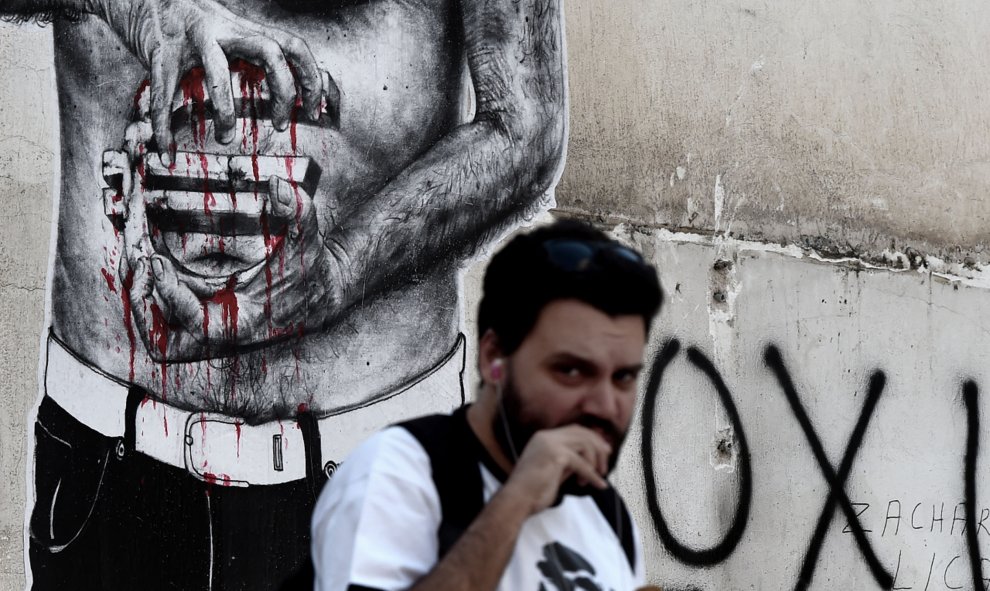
{"points": [[577, 366]]}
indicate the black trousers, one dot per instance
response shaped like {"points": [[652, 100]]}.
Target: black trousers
{"points": [[109, 517]]}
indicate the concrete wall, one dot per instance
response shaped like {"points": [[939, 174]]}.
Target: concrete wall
{"points": [[28, 156], [855, 130], [878, 360], [840, 125]]}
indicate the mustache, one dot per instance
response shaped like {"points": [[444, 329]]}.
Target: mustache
{"points": [[612, 434]]}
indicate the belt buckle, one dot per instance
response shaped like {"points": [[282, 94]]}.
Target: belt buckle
{"points": [[200, 469]]}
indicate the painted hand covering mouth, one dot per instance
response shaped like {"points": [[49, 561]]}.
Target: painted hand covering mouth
{"points": [[212, 209]]}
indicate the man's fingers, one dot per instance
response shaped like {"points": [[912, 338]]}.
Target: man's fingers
{"points": [[589, 445], [595, 453], [180, 304], [585, 470], [136, 278], [307, 74], [288, 203], [164, 82], [281, 88], [199, 286], [220, 91]]}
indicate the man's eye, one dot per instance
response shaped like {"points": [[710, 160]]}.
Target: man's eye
{"points": [[569, 371], [625, 377]]}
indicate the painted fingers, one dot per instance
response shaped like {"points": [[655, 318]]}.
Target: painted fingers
{"points": [[201, 32]]}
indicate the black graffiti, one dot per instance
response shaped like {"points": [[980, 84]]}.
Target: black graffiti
{"points": [[836, 479], [971, 399], [721, 550], [836, 482]]}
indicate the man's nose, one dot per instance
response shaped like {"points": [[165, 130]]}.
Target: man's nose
{"points": [[602, 400]]}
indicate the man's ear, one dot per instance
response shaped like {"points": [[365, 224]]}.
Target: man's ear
{"points": [[490, 358]]}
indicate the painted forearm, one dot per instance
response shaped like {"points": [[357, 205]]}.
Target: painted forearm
{"points": [[30, 9], [478, 559], [444, 204], [468, 186]]}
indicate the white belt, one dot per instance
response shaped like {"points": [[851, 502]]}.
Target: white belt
{"points": [[222, 449]]}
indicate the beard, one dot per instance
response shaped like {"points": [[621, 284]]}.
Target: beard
{"points": [[514, 426]]}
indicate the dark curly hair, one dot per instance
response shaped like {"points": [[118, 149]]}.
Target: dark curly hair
{"points": [[524, 277]]}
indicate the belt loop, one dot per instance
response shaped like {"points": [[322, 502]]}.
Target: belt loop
{"points": [[135, 396], [311, 443]]}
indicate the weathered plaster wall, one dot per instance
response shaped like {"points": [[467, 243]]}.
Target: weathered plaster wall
{"points": [[909, 340], [27, 159], [840, 124]]}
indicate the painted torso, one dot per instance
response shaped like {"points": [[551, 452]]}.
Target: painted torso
{"points": [[399, 69]]}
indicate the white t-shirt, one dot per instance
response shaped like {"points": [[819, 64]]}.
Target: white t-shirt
{"points": [[375, 526]]}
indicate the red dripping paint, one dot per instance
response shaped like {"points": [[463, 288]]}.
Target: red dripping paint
{"points": [[193, 86], [125, 297], [303, 407], [226, 298], [253, 74], [158, 338], [208, 198], [222, 479], [299, 207], [140, 164], [111, 284], [251, 78], [293, 120], [237, 431], [277, 332], [172, 147], [264, 365], [266, 232]]}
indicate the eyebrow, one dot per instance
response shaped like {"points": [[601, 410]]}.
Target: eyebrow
{"points": [[635, 368], [566, 357]]}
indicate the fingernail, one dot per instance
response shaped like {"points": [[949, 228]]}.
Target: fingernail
{"points": [[157, 267], [225, 136], [283, 196]]}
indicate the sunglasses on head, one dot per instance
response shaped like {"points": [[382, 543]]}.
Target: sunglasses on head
{"points": [[582, 255]]}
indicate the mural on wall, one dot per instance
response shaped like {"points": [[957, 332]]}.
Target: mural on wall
{"points": [[263, 208]]}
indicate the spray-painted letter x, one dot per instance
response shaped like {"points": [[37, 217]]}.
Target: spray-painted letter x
{"points": [[836, 482]]}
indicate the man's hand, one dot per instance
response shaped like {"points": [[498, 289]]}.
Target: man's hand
{"points": [[182, 316], [172, 36], [551, 457]]}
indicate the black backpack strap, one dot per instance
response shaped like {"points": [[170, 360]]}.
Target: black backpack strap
{"points": [[615, 513], [454, 456]]}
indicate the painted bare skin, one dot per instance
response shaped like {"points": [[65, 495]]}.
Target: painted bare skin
{"points": [[362, 293]]}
